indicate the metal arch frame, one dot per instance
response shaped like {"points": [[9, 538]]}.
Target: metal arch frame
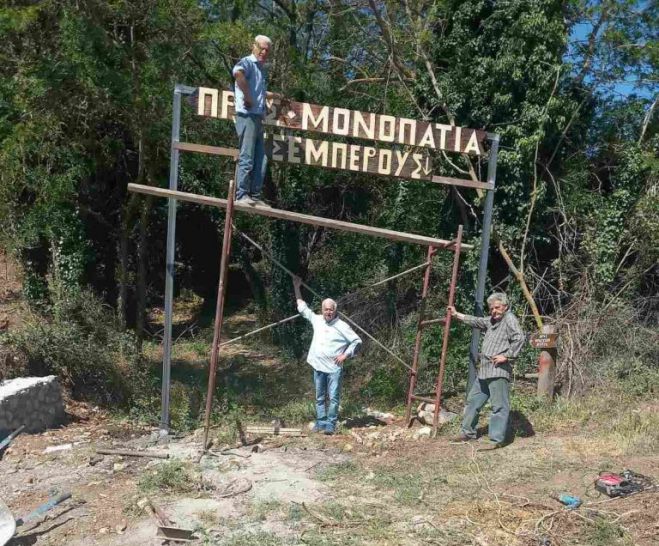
{"points": [[180, 90]]}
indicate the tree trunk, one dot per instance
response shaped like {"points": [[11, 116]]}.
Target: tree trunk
{"points": [[142, 260], [253, 279], [124, 262]]}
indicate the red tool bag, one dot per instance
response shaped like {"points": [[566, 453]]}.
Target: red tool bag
{"points": [[623, 484]]}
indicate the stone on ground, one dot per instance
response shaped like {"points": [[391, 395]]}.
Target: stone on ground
{"points": [[35, 402]]}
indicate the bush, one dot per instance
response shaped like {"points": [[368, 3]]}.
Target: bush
{"points": [[170, 476], [600, 343], [78, 339]]}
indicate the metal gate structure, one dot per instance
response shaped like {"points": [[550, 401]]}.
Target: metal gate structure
{"points": [[405, 154]]}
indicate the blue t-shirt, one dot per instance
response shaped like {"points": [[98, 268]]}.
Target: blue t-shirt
{"points": [[257, 80]]}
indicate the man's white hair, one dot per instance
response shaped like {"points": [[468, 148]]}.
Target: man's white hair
{"points": [[260, 39], [330, 302], [498, 296]]}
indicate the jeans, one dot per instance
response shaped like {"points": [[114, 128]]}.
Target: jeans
{"points": [[327, 384], [496, 390], [252, 161]]}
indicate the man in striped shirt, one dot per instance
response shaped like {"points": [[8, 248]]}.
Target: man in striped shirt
{"points": [[502, 342]]}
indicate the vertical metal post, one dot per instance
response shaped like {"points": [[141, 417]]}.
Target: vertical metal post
{"points": [[219, 308], [417, 342], [482, 265], [447, 331], [169, 267]]}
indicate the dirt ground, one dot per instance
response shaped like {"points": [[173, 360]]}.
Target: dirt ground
{"points": [[364, 486]]}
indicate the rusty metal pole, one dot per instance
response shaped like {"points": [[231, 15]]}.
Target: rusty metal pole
{"points": [[419, 330], [447, 328], [219, 309], [547, 368]]}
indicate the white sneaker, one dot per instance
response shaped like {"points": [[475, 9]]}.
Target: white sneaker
{"points": [[246, 200], [260, 203]]}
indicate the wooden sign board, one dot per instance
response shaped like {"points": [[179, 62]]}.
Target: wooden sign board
{"points": [[543, 341], [349, 123], [356, 158], [351, 157]]}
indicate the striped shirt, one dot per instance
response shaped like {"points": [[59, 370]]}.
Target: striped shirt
{"points": [[504, 337], [330, 339]]}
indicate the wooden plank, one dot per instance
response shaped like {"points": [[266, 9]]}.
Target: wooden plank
{"points": [[432, 321], [423, 399], [298, 217], [340, 156], [462, 182], [302, 116], [275, 431], [131, 453], [202, 148]]}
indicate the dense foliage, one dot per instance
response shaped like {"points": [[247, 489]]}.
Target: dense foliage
{"points": [[85, 108]]}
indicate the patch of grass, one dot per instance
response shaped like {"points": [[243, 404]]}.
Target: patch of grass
{"points": [[334, 511], [352, 523], [295, 512], [318, 537], [409, 487], [339, 471], [209, 517], [426, 534], [259, 511], [168, 477], [296, 411], [261, 538], [605, 533], [406, 487], [637, 431], [613, 413]]}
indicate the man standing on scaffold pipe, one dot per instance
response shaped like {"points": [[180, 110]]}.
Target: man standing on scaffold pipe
{"points": [[332, 344], [250, 94]]}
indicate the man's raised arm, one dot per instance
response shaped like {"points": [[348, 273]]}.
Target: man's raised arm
{"points": [[478, 322], [302, 306], [297, 283]]}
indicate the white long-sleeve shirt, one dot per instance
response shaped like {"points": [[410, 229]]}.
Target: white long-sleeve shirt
{"points": [[330, 339]]}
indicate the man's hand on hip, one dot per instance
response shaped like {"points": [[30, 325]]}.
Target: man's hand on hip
{"points": [[499, 359], [340, 359]]}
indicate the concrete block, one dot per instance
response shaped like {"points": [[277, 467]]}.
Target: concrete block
{"points": [[35, 402]]}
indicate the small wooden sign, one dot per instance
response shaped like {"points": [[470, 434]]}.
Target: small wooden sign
{"points": [[391, 130], [543, 341]]}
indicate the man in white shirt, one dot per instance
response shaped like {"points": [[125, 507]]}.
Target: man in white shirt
{"points": [[332, 344]]}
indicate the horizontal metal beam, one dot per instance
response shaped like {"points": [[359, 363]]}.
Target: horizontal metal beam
{"points": [[298, 217], [283, 157]]}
